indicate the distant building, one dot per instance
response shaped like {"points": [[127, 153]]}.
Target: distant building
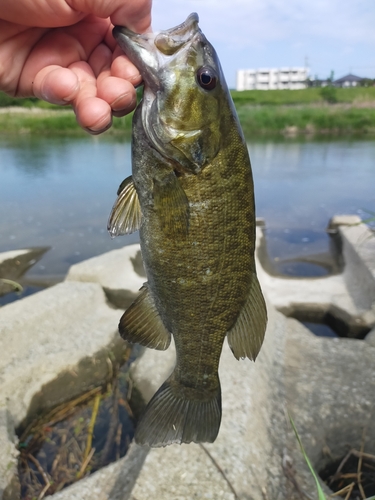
{"points": [[316, 82], [272, 78], [348, 81]]}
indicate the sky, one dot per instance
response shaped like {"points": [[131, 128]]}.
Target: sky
{"points": [[325, 35]]}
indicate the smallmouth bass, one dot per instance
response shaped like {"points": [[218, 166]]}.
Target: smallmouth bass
{"points": [[191, 196]]}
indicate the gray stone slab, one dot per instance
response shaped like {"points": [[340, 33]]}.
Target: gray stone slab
{"points": [[120, 273], [14, 264], [48, 332], [12, 254], [330, 387], [359, 256], [180, 473], [9, 485], [349, 296], [370, 338], [114, 482], [53, 346]]}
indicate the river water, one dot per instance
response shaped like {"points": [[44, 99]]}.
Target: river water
{"points": [[58, 192]]}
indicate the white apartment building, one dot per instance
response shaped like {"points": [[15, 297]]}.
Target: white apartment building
{"points": [[271, 78]]}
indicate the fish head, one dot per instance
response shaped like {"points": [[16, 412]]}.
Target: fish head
{"points": [[184, 88]]}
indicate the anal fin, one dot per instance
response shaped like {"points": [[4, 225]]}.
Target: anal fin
{"points": [[125, 217], [142, 324], [246, 337]]}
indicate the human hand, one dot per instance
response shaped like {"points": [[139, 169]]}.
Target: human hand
{"points": [[62, 51]]}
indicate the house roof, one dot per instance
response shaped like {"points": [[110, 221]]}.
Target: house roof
{"points": [[349, 78]]}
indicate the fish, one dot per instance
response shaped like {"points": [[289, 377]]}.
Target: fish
{"points": [[191, 196]]}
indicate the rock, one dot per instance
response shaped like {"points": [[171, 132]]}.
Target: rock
{"points": [[9, 483], [114, 482], [330, 385], [359, 256], [349, 297], [181, 472], [120, 273], [343, 220], [15, 263], [159, 363], [54, 345], [370, 338]]}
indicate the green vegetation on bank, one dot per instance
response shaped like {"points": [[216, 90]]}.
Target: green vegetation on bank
{"points": [[292, 121], [312, 111], [356, 95]]}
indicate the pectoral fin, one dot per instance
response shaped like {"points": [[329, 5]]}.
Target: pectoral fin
{"points": [[142, 324], [171, 205], [126, 214], [246, 336]]}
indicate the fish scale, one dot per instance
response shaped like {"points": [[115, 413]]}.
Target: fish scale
{"points": [[191, 197]]}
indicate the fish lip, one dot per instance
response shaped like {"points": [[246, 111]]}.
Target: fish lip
{"points": [[187, 27], [175, 38], [165, 42]]}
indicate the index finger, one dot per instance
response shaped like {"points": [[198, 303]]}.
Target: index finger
{"points": [[134, 14]]}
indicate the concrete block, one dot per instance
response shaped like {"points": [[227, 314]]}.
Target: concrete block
{"points": [[330, 385], [370, 338], [114, 482], [343, 220], [12, 254], [47, 333], [53, 346], [120, 273], [349, 296], [15, 263], [9, 484], [180, 473], [358, 248]]}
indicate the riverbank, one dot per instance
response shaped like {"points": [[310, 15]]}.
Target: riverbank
{"points": [[333, 120], [54, 122], [307, 113]]}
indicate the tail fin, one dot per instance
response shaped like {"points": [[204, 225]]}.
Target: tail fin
{"points": [[179, 414]]}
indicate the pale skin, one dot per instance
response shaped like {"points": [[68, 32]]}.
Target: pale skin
{"points": [[63, 51]]}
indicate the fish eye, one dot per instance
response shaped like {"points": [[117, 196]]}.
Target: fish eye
{"points": [[207, 78]]}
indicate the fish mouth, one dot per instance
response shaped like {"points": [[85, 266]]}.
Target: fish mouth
{"points": [[167, 41], [148, 51]]}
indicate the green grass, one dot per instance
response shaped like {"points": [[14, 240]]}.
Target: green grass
{"points": [[319, 490], [320, 120], [303, 96], [54, 123]]}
